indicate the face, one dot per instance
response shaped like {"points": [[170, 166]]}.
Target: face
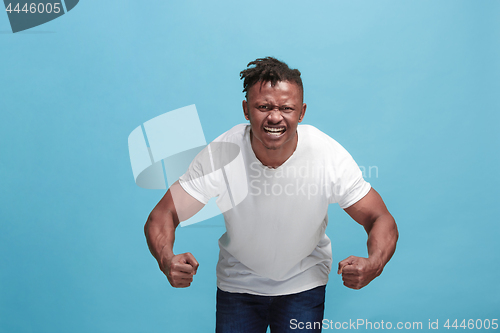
{"points": [[274, 113]]}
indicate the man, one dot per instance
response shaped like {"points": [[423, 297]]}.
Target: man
{"points": [[275, 257]]}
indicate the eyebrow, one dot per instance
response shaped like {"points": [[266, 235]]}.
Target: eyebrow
{"points": [[268, 103]]}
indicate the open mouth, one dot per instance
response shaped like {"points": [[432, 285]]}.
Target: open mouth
{"points": [[275, 130]]}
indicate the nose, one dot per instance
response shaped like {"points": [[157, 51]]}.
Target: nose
{"points": [[274, 116]]}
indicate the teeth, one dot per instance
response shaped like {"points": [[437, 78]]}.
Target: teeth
{"points": [[274, 130]]}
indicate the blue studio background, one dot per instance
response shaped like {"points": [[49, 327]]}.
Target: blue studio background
{"points": [[410, 88]]}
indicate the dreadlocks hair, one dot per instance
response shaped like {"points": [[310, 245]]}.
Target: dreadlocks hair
{"points": [[269, 69]]}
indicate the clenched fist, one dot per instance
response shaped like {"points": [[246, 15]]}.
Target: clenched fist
{"points": [[357, 272], [180, 269]]}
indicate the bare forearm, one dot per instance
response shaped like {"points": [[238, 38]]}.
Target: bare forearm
{"points": [[382, 238], [160, 234], [382, 231]]}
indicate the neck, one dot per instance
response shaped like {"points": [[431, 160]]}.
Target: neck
{"points": [[273, 158]]}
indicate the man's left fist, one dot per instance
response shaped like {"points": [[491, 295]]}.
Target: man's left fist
{"points": [[357, 272]]}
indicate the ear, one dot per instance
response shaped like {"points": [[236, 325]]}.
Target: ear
{"points": [[302, 112], [245, 109]]}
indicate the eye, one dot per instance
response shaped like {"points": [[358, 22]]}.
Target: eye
{"points": [[286, 109], [263, 107]]}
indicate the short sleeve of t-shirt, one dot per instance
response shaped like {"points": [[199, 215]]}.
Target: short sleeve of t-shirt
{"points": [[347, 183], [200, 181]]}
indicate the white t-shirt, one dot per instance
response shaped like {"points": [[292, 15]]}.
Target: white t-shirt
{"points": [[275, 242]]}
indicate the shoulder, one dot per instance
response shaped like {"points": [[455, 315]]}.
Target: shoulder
{"points": [[235, 134], [317, 139]]}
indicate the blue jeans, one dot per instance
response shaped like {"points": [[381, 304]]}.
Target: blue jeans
{"points": [[246, 313]]}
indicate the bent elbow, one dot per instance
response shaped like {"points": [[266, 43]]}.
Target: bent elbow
{"points": [[149, 220], [395, 230]]}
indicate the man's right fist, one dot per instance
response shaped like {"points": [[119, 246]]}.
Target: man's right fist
{"points": [[180, 269]]}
